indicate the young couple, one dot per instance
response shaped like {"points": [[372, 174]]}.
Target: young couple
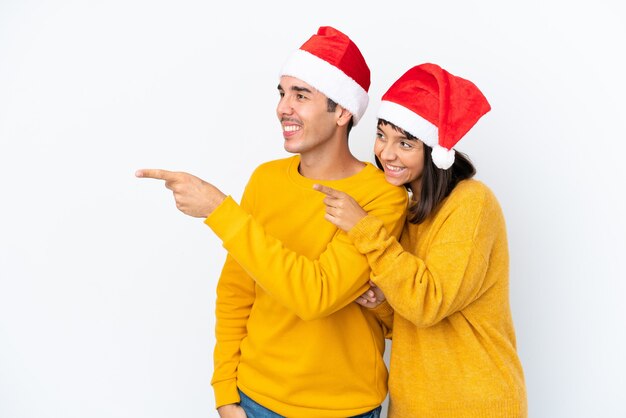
{"points": [[328, 255]]}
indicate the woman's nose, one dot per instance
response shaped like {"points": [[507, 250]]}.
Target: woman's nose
{"points": [[387, 153]]}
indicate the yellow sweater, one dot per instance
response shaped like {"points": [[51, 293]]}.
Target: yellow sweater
{"points": [[454, 351], [288, 334]]}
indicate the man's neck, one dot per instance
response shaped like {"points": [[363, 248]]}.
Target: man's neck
{"points": [[330, 165]]}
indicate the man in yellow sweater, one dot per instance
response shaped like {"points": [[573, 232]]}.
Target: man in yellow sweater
{"points": [[290, 342]]}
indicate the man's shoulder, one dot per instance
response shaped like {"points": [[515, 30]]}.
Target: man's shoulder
{"points": [[271, 167], [376, 175], [378, 190], [376, 178]]}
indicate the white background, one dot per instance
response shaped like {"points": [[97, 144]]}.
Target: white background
{"points": [[107, 291]]}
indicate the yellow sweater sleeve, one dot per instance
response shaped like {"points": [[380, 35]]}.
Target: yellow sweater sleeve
{"points": [[384, 313], [235, 296], [311, 289], [449, 275]]}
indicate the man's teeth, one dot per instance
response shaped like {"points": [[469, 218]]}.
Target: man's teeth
{"points": [[291, 128]]}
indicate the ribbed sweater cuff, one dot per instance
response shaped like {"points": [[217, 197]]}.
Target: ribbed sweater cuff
{"points": [[383, 310], [227, 219], [364, 232], [226, 392]]}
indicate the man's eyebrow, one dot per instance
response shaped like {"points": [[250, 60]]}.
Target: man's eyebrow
{"points": [[296, 89], [301, 89]]}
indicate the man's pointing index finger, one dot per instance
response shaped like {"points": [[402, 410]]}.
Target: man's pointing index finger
{"points": [[153, 173]]}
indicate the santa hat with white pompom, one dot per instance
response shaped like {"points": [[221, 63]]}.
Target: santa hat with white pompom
{"points": [[436, 107], [332, 63]]}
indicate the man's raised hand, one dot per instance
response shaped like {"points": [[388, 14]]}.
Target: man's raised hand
{"points": [[194, 196]]}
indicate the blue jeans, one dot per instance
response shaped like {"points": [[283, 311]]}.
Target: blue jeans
{"points": [[254, 410]]}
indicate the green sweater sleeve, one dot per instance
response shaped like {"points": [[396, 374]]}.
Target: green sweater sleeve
{"points": [[451, 271]]}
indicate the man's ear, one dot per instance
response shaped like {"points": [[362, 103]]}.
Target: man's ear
{"points": [[344, 116]]}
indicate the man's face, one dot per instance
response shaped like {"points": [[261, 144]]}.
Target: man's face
{"points": [[303, 114]]}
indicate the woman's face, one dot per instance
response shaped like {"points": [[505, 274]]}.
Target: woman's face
{"points": [[402, 158]]}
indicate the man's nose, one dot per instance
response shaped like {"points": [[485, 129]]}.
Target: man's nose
{"points": [[284, 106]]}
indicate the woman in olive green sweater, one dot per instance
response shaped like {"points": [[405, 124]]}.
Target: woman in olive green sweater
{"points": [[443, 289]]}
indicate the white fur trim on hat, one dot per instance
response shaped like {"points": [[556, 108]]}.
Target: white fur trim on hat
{"points": [[420, 128], [410, 122], [443, 157], [328, 79]]}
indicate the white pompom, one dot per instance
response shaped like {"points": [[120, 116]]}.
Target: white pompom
{"points": [[443, 157]]}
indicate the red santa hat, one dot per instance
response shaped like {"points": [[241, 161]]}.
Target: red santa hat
{"points": [[332, 63], [436, 107]]}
